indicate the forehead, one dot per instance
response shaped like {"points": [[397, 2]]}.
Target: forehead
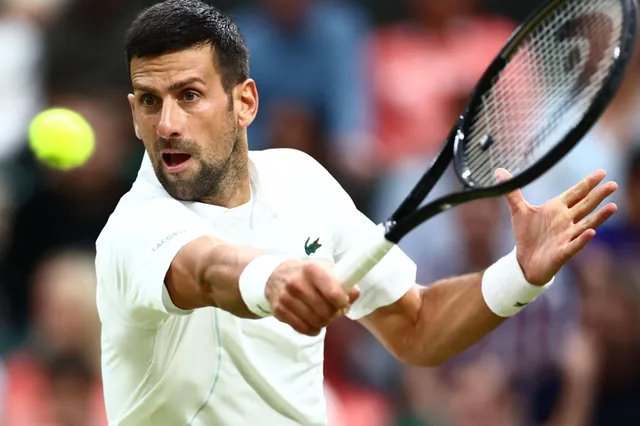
{"points": [[162, 70]]}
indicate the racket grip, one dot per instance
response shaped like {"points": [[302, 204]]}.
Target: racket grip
{"points": [[358, 262]]}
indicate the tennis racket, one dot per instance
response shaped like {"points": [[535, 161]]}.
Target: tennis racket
{"points": [[543, 92]]}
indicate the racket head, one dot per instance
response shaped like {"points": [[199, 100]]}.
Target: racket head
{"points": [[544, 91]]}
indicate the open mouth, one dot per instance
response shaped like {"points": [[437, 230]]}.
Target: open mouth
{"points": [[175, 160]]}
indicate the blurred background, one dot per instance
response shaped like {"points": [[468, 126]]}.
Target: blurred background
{"points": [[370, 88]]}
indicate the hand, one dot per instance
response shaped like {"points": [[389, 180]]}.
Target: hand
{"points": [[307, 296], [548, 236]]}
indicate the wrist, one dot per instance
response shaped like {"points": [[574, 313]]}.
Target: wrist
{"points": [[506, 290], [528, 276], [254, 279]]}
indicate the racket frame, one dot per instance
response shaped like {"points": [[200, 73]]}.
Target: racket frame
{"points": [[357, 263], [409, 215]]}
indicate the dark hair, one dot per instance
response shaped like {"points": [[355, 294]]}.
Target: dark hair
{"points": [[175, 25]]}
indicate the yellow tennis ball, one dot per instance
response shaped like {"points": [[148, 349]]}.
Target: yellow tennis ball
{"points": [[61, 138]]}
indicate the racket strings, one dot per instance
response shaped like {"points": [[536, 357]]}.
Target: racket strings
{"points": [[531, 122], [545, 89], [511, 155]]}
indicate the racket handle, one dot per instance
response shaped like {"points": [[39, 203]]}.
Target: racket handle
{"points": [[358, 262]]}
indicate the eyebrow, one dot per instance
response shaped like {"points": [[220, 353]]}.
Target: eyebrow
{"points": [[173, 87]]}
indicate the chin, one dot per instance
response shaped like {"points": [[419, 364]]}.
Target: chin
{"points": [[180, 192], [179, 187]]}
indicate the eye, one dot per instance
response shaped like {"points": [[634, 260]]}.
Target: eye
{"points": [[190, 96], [148, 100]]}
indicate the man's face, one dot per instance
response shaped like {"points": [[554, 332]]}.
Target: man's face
{"points": [[188, 123]]}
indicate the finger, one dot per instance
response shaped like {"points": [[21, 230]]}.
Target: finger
{"points": [[515, 199], [595, 220], [285, 315], [578, 244], [576, 193], [354, 294], [311, 296], [588, 204], [328, 286], [305, 312]]}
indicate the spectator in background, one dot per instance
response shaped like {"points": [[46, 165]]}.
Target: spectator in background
{"points": [[308, 61], [23, 25], [7, 207], [483, 394], [55, 375], [72, 387], [476, 393], [53, 61], [350, 377], [426, 397], [423, 71], [86, 43], [69, 208]]}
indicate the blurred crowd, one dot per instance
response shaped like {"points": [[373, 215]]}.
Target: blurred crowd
{"points": [[370, 88]]}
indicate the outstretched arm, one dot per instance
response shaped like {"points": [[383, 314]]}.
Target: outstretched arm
{"points": [[430, 324]]}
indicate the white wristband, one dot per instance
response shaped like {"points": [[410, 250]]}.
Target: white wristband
{"points": [[505, 289], [253, 281]]}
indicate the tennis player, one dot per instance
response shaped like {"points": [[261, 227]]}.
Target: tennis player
{"points": [[215, 279]]}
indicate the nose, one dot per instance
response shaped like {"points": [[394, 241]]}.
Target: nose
{"points": [[171, 121]]}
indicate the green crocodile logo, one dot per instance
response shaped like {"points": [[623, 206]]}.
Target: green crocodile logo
{"points": [[311, 248]]}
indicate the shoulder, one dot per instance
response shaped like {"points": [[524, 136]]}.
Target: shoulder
{"points": [[292, 177], [290, 167], [282, 156], [136, 213]]}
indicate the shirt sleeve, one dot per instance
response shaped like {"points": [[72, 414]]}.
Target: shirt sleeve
{"points": [[134, 253], [393, 276], [389, 280]]}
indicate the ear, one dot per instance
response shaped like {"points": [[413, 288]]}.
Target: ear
{"points": [[246, 102], [132, 103]]}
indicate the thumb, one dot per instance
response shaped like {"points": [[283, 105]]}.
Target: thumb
{"points": [[354, 294], [515, 199]]}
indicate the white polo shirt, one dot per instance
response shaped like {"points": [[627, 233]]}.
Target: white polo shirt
{"points": [[166, 367]]}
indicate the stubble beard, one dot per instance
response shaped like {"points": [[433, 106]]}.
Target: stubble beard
{"points": [[212, 182]]}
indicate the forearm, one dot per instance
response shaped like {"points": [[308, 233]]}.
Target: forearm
{"points": [[218, 274], [452, 317]]}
